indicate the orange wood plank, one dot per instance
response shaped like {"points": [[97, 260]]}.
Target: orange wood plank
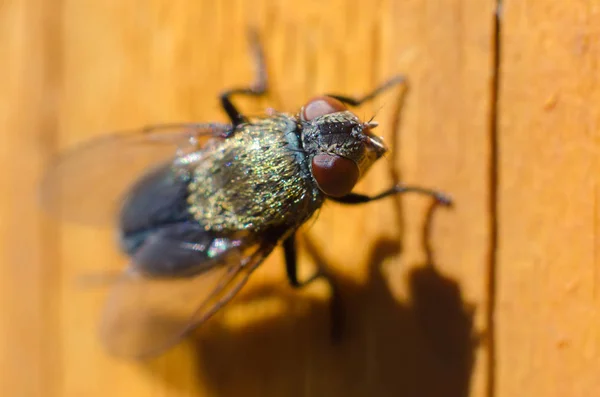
{"points": [[548, 317], [29, 355]]}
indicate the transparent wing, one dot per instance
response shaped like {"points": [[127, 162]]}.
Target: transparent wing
{"points": [[86, 184], [146, 315]]}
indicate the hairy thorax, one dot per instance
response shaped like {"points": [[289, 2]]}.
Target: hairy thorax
{"points": [[255, 180]]}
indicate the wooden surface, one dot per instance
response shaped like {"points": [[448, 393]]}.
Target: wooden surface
{"points": [[497, 297], [548, 311]]}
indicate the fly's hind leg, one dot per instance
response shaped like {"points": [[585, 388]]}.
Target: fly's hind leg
{"points": [[291, 262], [258, 88]]}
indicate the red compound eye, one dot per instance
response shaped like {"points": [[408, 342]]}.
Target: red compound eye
{"points": [[321, 105], [335, 175]]}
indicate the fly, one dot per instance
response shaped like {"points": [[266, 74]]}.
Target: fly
{"points": [[200, 206]]}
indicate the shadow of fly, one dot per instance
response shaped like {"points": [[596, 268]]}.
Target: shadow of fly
{"points": [[200, 206]]}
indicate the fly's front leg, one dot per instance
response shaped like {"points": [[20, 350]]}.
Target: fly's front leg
{"points": [[353, 101], [355, 198], [258, 88]]}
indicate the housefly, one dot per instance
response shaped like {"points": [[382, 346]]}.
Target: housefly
{"points": [[200, 206]]}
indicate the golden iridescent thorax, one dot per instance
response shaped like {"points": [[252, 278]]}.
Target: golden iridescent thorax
{"points": [[254, 180]]}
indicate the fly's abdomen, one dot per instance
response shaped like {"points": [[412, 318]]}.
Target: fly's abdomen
{"points": [[157, 199], [159, 234]]}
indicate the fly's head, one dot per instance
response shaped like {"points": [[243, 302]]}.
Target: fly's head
{"points": [[341, 148]]}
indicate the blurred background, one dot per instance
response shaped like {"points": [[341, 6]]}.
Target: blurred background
{"points": [[496, 296]]}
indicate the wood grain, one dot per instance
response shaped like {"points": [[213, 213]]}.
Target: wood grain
{"points": [[549, 125], [78, 69]]}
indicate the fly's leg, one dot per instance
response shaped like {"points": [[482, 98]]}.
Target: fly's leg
{"points": [[353, 101], [337, 312], [355, 198], [257, 88], [291, 262]]}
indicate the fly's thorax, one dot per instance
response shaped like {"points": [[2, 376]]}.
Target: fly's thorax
{"points": [[342, 138], [255, 180]]}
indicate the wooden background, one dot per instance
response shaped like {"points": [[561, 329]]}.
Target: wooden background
{"points": [[503, 114]]}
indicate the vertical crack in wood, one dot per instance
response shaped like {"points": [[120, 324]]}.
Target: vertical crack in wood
{"points": [[595, 249], [493, 203], [50, 273]]}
